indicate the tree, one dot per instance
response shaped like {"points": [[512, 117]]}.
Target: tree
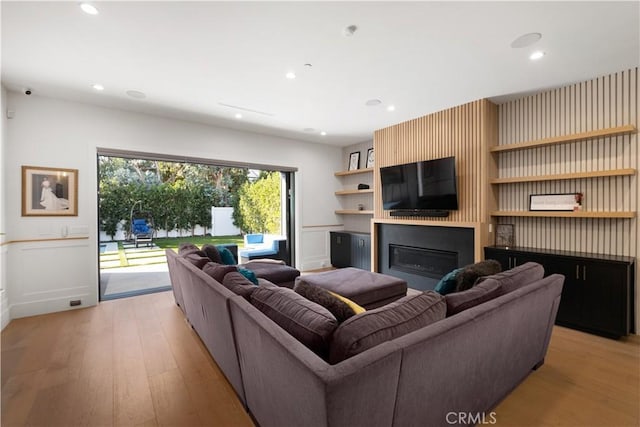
{"points": [[257, 206]]}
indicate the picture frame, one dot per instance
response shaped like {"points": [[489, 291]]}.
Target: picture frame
{"points": [[49, 191], [504, 235], [555, 202], [370, 158], [354, 161]]}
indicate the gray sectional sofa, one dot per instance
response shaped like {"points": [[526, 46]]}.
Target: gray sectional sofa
{"points": [[465, 363]]}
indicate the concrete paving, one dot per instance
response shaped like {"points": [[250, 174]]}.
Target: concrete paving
{"points": [[132, 279]]}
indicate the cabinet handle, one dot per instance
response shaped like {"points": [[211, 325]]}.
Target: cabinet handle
{"points": [[577, 271], [584, 272]]}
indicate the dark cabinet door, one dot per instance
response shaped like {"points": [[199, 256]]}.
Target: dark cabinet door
{"points": [[361, 251], [500, 255], [340, 249], [570, 309]]}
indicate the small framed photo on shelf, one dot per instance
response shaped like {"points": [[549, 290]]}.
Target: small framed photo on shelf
{"points": [[504, 235], [371, 159], [555, 202], [354, 161]]}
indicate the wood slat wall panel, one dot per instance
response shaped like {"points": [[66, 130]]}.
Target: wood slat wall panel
{"points": [[603, 102]]}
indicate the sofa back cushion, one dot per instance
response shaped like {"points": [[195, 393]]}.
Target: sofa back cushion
{"points": [[185, 249], [385, 323], [218, 271], [197, 259], [212, 252], [519, 276], [337, 307], [482, 292], [238, 284], [310, 323]]}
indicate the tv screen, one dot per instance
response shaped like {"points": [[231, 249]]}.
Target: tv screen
{"points": [[426, 185]]}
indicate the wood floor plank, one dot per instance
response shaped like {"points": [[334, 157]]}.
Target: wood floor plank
{"points": [[171, 400]]}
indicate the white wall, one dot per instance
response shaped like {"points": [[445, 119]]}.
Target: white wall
{"points": [[56, 133], [4, 301], [222, 222]]}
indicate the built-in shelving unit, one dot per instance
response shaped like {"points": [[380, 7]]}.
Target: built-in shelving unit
{"points": [[615, 131], [355, 192], [351, 192], [353, 212], [577, 175], [353, 172], [564, 214]]}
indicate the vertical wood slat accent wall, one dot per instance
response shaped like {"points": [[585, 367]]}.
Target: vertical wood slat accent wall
{"points": [[600, 103], [465, 132]]}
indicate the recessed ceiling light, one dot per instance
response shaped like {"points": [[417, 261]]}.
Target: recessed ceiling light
{"points": [[350, 30], [309, 129], [536, 55], [308, 65], [88, 8], [238, 116], [290, 75], [323, 133], [526, 40], [391, 108], [136, 94], [98, 86], [373, 102]]}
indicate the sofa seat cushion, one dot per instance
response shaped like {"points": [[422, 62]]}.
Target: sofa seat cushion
{"points": [[468, 275], [373, 327], [362, 287], [519, 276], [308, 322], [482, 292], [336, 306], [218, 271], [238, 284], [274, 272]]}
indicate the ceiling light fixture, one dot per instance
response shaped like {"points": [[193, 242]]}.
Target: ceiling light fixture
{"points": [[391, 108], [98, 87], [323, 133], [238, 116], [290, 75], [526, 40], [536, 55], [373, 102], [136, 94], [88, 8], [350, 30]]}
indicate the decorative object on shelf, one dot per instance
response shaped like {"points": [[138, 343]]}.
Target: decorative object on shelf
{"points": [[578, 204], [360, 207], [363, 187], [553, 202], [370, 158], [354, 160], [49, 191], [504, 235]]}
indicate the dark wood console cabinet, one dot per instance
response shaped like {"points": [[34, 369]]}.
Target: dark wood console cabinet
{"points": [[350, 249], [598, 292]]}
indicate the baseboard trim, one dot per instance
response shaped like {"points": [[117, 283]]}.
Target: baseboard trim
{"points": [[50, 305]]}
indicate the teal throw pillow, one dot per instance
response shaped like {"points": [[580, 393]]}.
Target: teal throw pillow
{"points": [[250, 275], [226, 256], [447, 284]]}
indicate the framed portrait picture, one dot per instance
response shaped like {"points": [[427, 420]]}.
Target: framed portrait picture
{"points": [[49, 191], [371, 159], [555, 202], [504, 235], [354, 161]]}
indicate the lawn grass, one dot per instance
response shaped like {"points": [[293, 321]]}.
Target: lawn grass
{"points": [[174, 242]]}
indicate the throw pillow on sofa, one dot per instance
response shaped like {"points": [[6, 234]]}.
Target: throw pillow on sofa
{"points": [[469, 274], [338, 308], [218, 271], [250, 275], [355, 307], [197, 259], [226, 256], [482, 292], [448, 283], [308, 322], [185, 249], [238, 284], [212, 252], [385, 323]]}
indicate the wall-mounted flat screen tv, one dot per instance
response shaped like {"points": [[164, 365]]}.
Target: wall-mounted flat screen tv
{"points": [[426, 185]]}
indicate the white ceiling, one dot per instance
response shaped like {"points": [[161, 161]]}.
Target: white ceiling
{"points": [[190, 58]]}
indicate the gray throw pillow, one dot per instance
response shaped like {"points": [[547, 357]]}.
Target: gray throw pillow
{"points": [[308, 322], [467, 277], [482, 292], [218, 271], [212, 252], [337, 307], [373, 327], [238, 284]]}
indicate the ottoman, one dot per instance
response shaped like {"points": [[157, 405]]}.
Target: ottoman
{"points": [[367, 289], [276, 273]]}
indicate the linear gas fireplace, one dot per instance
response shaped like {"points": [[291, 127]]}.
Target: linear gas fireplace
{"points": [[432, 263], [422, 254]]}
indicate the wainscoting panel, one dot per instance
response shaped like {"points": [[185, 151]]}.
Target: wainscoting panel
{"points": [[605, 102], [316, 246]]}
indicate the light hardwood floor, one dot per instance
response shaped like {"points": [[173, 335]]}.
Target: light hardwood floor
{"points": [[135, 361]]}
